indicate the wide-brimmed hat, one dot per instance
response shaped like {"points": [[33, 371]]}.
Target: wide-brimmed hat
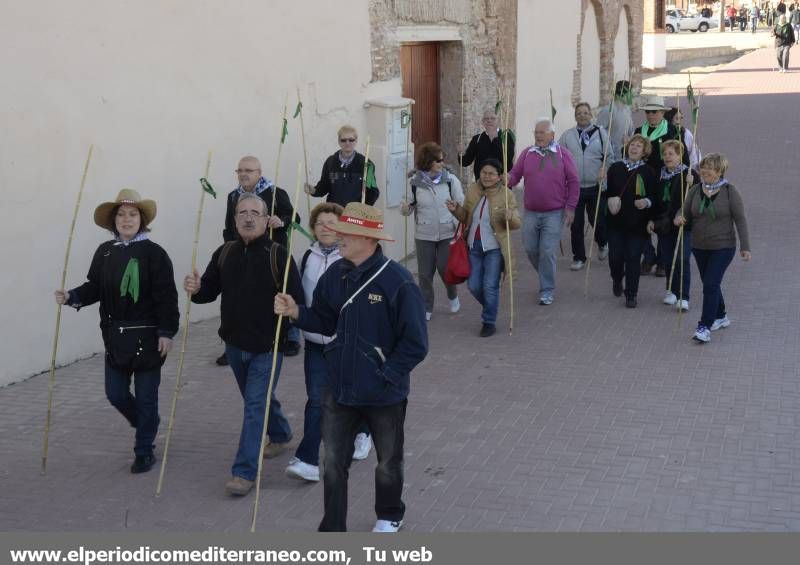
{"points": [[652, 103], [361, 219], [103, 213]]}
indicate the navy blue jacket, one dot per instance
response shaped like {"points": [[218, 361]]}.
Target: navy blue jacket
{"points": [[380, 337]]}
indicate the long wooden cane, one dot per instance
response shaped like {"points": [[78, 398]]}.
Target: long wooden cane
{"points": [[52, 381], [680, 229], [510, 266], [185, 336], [364, 177], [405, 180], [275, 355], [278, 161], [305, 151], [461, 137]]}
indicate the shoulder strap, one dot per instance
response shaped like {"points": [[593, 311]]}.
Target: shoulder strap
{"points": [[450, 189], [363, 286], [413, 194], [304, 261], [224, 254], [273, 263]]}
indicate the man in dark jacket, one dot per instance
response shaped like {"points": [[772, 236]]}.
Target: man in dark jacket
{"points": [[784, 39], [488, 145], [376, 311], [248, 272]]}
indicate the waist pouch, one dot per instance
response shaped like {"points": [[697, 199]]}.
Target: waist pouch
{"points": [[133, 345]]}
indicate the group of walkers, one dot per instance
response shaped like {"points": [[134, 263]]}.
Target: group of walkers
{"points": [[363, 317]]}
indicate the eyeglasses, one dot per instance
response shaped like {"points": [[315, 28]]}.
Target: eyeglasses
{"points": [[439, 160], [651, 111], [249, 214], [347, 140], [325, 224], [248, 171]]}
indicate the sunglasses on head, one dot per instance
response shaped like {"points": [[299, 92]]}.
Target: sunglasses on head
{"points": [[345, 139]]}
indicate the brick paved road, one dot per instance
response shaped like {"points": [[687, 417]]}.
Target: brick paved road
{"points": [[590, 417]]}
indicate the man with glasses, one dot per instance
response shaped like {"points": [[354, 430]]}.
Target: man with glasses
{"points": [[251, 181], [487, 145], [342, 175], [248, 273]]}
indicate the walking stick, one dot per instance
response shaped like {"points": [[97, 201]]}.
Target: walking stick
{"points": [[275, 355], [185, 336], [284, 133], [461, 138], [299, 111], [405, 180], [52, 381], [510, 266], [599, 192], [364, 177]]}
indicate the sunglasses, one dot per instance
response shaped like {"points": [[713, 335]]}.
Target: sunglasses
{"points": [[651, 111], [347, 139]]}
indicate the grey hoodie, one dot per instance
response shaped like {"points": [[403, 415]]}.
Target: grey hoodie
{"points": [[588, 161]]}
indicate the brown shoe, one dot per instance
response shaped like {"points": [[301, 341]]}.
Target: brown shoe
{"points": [[238, 486], [272, 450]]}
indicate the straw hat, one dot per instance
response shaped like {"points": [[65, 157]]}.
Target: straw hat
{"points": [[361, 219], [147, 209], [653, 103]]}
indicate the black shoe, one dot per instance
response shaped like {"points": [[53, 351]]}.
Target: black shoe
{"points": [[646, 268], [660, 271], [488, 330], [222, 360], [143, 463], [292, 349], [630, 302], [617, 289]]}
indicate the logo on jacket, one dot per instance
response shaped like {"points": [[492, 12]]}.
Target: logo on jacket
{"points": [[374, 298]]}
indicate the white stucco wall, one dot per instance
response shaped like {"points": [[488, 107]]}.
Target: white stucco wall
{"points": [[621, 54], [153, 85], [539, 70], [590, 58]]}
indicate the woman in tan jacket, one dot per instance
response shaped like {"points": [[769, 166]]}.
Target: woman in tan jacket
{"points": [[484, 213]]}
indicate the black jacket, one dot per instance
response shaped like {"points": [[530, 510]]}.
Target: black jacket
{"points": [[481, 148], [283, 209], [622, 183], [157, 303], [654, 159], [670, 193], [342, 185], [784, 35], [248, 291]]}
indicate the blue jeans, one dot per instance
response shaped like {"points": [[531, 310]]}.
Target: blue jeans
{"points": [[292, 334], [712, 266], [141, 409], [340, 424], [624, 251], [669, 243], [541, 233], [252, 375], [485, 268]]}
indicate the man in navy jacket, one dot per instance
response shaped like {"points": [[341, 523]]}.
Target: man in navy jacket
{"points": [[376, 312]]}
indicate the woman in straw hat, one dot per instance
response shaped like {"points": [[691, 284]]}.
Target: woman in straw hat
{"points": [[132, 279]]}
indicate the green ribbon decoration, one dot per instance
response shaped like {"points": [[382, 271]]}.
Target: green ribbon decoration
{"points": [[640, 190], [207, 187], [497, 106], [284, 130], [707, 204], [302, 230], [667, 196], [298, 109], [130, 280], [372, 182]]}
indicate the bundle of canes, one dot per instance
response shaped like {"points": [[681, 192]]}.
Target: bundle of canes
{"points": [[599, 193], [52, 381], [299, 112], [364, 177], [204, 187], [275, 356], [506, 190], [406, 181], [284, 133]]}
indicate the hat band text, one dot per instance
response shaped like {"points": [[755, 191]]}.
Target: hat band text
{"points": [[360, 222]]}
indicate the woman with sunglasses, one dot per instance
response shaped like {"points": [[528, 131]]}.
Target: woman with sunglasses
{"points": [[343, 173], [432, 186]]}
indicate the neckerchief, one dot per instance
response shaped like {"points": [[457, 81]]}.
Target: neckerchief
{"points": [[345, 161], [130, 280], [421, 178], [630, 165], [262, 185], [666, 178], [659, 131], [141, 236], [706, 197], [586, 134], [328, 250], [551, 150]]}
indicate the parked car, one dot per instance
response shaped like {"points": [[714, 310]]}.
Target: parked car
{"points": [[693, 22], [672, 23]]}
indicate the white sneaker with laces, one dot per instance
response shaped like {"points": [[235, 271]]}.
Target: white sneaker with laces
{"points": [[298, 469], [670, 299], [455, 305], [577, 265], [683, 305], [603, 255], [428, 315], [702, 334], [362, 444], [720, 323], [387, 526]]}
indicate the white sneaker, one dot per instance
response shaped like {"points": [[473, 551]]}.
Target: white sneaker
{"points": [[702, 334], [577, 265], [387, 526], [683, 305], [298, 469], [720, 323], [670, 299], [362, 444], [546, 300], [455, 305], [603, 255], [428, 315]]}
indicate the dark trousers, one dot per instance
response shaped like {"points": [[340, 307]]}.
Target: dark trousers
{"points": [[340, 424], [669, 242], [431, 258], [783, 57], [654, 254], [587, 204], [140, 408], [712, 266], [624, 251]]}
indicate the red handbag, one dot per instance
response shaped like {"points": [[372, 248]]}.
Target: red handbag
{"points": [[457, 270]]}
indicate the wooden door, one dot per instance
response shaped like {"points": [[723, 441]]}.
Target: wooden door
{"points": [[419, 64]]}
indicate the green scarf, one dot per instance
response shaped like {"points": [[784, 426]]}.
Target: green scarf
{"points": [[667, 196], [660, 130], [640, 190], [707, 204], [130, 280]]}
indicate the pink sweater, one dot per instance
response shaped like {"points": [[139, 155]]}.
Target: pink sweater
{"points": [[551, 188]]}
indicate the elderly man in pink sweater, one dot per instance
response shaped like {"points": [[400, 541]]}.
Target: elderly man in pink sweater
{"points": [[552, 188]]}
